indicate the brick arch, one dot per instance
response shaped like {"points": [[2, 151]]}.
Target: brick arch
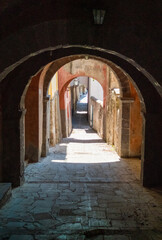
{"points": [[122, 77], [64, 87], [70, 78]]}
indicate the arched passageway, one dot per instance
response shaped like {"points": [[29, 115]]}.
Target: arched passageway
{"points": [[81, 188], [40, 39], [130, 69], [120, 126]]}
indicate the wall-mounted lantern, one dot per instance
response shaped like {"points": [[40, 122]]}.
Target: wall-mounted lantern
{"points": [[98, 15], [76, 82]]}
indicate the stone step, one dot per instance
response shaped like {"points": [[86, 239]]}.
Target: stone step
{"points": [[137, 235], [5, 193]]}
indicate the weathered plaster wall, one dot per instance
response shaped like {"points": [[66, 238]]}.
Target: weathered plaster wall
{"points": [[82, 67], [123, 120], [113, 121], [36, 106], [52, 114], [40, 105], [68, 111], [64, 79], [32, 134], [136, 124], [92, 68], [55, 126], [58, 127], [75, 95], [44, 110], [113, 118]]}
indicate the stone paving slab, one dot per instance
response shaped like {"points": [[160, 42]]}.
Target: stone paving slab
{"points": [[74, 212], [82, 190]]}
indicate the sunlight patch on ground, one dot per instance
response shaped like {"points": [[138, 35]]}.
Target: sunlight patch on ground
{"points": [[81, 112], [86, 161]]}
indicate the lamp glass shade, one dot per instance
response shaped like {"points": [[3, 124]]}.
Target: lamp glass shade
{"points": [[98, 15]]}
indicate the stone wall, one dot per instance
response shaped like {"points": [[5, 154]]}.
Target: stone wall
{"points": [[112, 115], [123, 120], [113, 120]]}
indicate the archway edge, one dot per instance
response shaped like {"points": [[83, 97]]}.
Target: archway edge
{"points": [[78, 75], [120, 74], [38, 61], [84, 49], [64, 87]]}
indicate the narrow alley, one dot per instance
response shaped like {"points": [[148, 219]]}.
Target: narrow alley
{"points": [[82, 190]]}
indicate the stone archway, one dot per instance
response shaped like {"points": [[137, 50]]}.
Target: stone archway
{"points": [[88, 69], [11, 118], [43, 79], [124, 82]]}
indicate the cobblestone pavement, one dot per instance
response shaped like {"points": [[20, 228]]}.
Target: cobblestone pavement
{"points": [[82, 190]]}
